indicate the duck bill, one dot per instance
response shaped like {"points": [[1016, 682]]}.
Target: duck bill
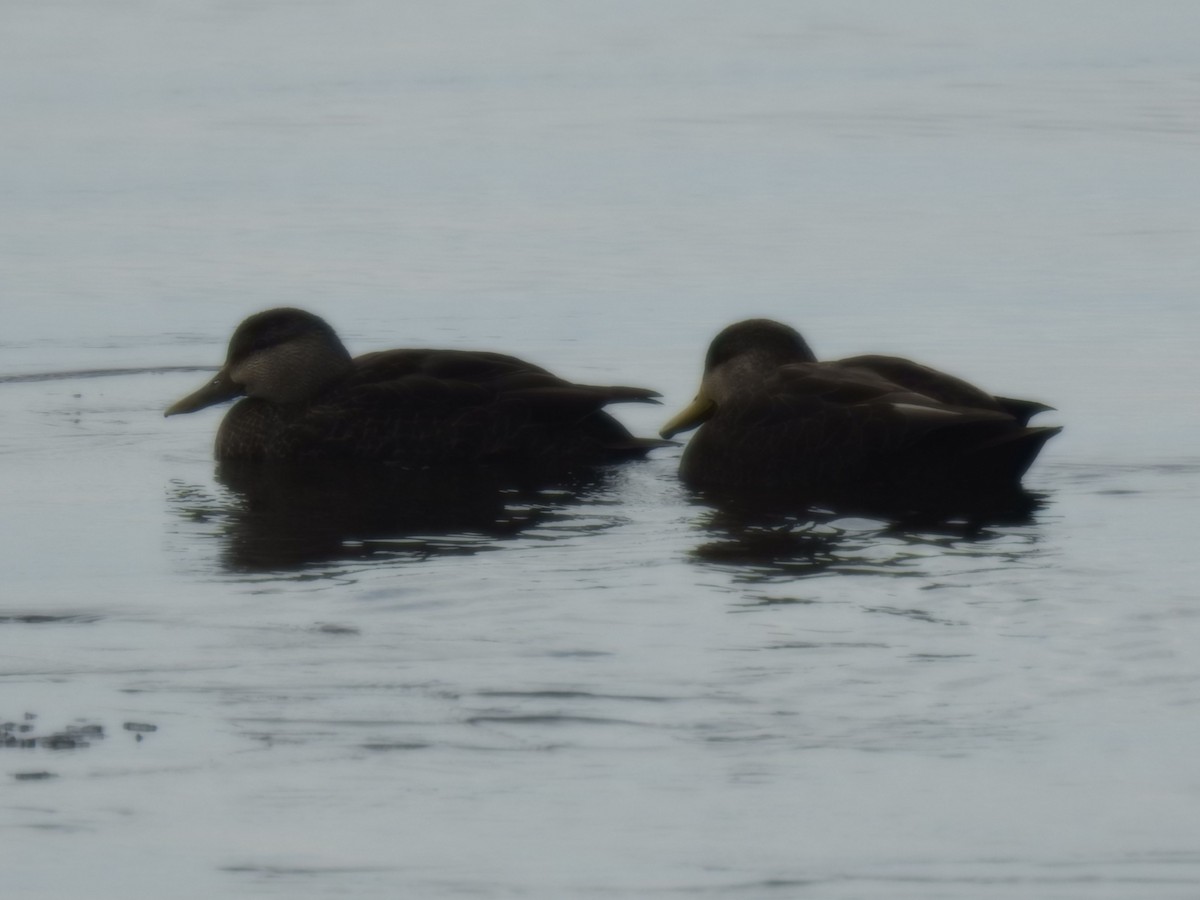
{"points": [[220, 389], [692, 416]]}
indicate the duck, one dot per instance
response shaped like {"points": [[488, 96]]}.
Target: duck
{"points": [[771, 417], [301, 397]]}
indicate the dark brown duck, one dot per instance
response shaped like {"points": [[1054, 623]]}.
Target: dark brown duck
{"points": [[305, 398], [772, 417]]}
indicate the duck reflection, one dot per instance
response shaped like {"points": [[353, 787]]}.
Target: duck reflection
{"points": [[766, 537], [282, 517]]}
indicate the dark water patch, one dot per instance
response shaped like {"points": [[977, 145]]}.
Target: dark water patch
{"points": [[794, 551], [572, 695], [754, 603], [757, 543], [276, 518], [24, 735], [34, 776], [298, 732], [879, 884], [333, 723], [43, 619], [918, 615], [332, 628], [99, 373], [1126, 479], [756, 737], [784, 886], [874, 568], [826, 645], [303, 871], [553, 719]]}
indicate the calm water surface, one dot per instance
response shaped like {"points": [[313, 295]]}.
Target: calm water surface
{"points": [[605, 687]]}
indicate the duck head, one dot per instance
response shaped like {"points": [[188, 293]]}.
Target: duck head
{"points": [[740, 356], [284, 356]]}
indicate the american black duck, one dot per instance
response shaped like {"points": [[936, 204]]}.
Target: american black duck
{"points": [[771, 417], [306, 399]]}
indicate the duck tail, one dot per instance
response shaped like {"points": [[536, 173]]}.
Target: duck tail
{"points": [[1022, 410], [623, 394]]}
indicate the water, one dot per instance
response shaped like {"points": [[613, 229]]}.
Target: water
{"points": [[612, 688]]}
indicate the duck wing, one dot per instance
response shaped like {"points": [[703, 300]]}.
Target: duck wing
{"points": [[429, 407], [941, 386], [468, 375]]}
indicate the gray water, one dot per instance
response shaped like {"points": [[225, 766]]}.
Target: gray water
{"points": [[610, 688]]}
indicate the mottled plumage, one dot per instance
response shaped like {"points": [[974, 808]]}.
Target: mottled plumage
{"points": [[772, 417], [306, 399]]}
